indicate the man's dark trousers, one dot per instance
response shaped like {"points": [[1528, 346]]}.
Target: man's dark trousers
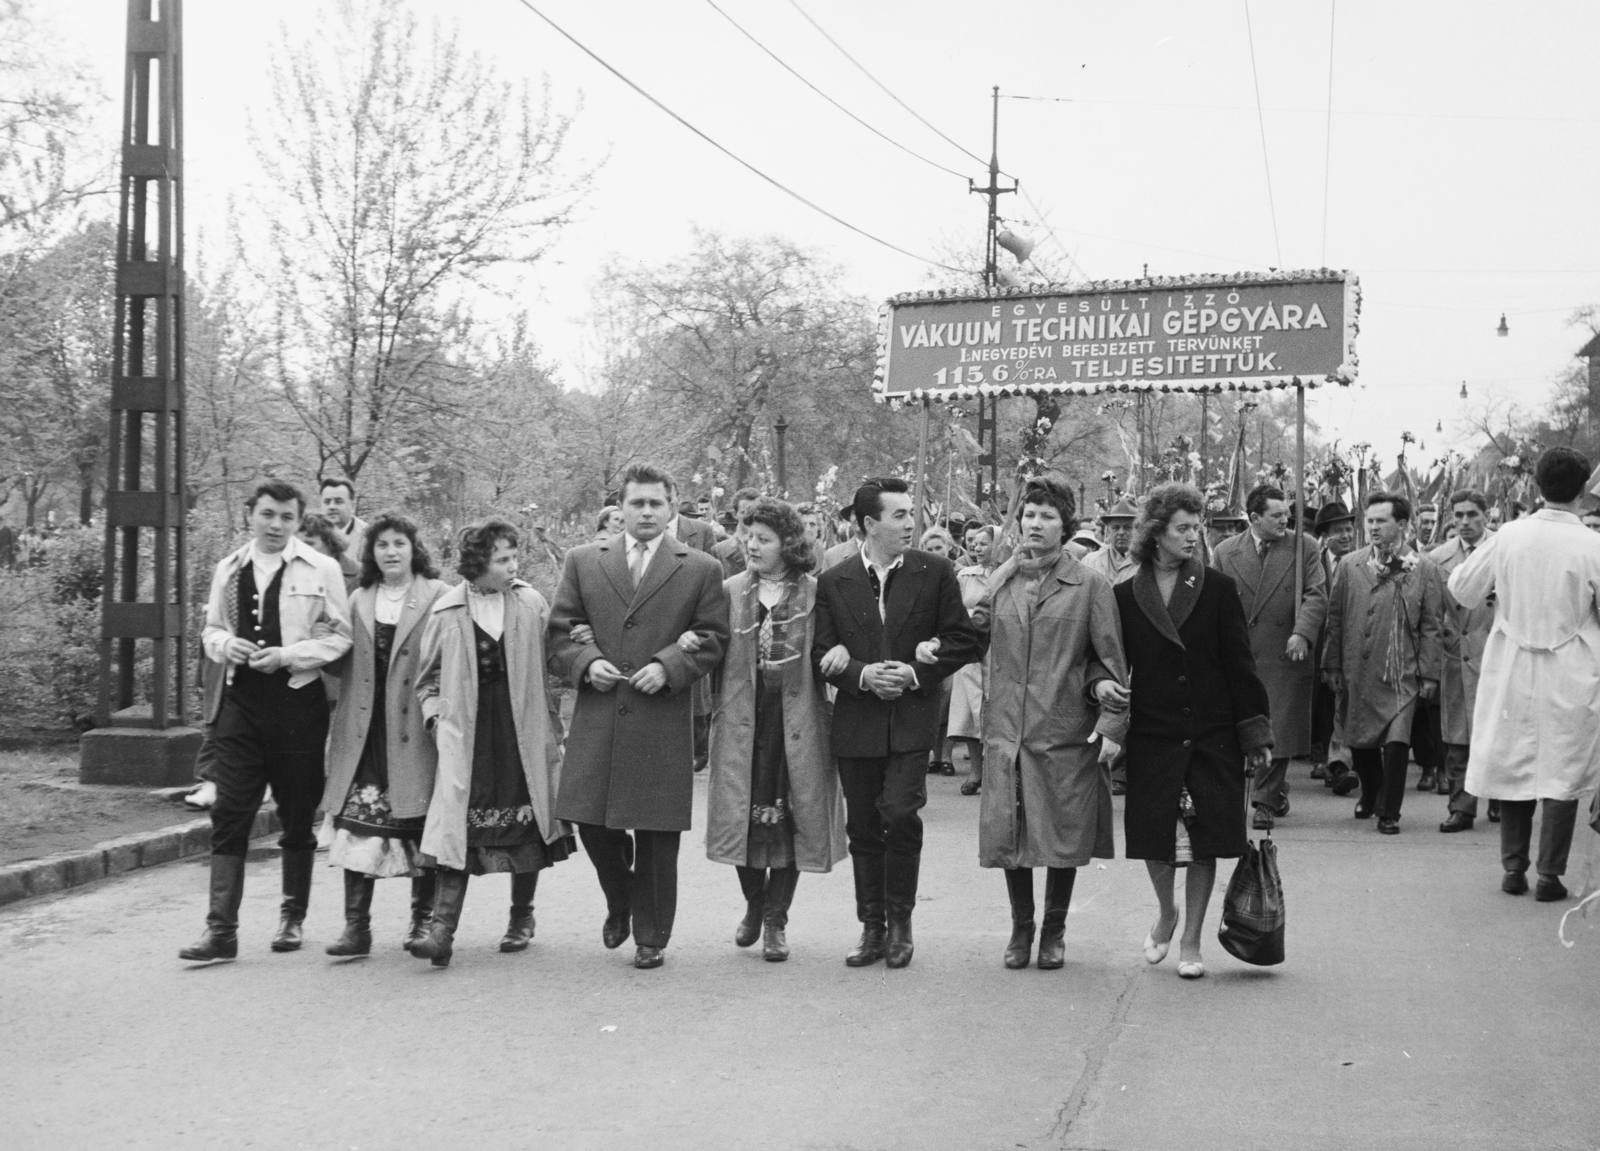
{"points": [[639, 874], [882, 799]]}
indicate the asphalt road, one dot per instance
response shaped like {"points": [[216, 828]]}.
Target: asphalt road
{"points": [[1419, 1008]]}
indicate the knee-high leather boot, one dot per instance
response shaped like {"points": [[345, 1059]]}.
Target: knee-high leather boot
{"points": [[775, 913], [221, 938], [1019, 886], [519, 931], [450, 891], [357, 937], [421, 907], [1057, 899], [900, 882], [297, 866], [753, 882], [869, 876]]}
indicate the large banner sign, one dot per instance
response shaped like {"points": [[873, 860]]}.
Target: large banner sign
{"points": [[1244, 332]]}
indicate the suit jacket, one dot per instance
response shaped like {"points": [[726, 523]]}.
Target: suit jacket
{"points": [[730, 553], [924, 602], [696, 533], [1266, 590], [630, 757]]}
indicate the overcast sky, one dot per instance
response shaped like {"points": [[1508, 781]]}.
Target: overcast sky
{"points": [[1460, 180]]}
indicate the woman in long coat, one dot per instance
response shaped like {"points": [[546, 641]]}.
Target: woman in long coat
{"points": [[1199, 719], [482, 691], [380, 759], [967, 686], [1054, 649], [774, 807]]}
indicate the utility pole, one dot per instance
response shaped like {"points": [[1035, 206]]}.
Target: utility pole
{"points": [[989, 410], [141, 734]]}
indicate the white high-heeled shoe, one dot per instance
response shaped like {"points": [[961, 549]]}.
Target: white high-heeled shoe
{"points": [[1155, 952], [1191, 969]]}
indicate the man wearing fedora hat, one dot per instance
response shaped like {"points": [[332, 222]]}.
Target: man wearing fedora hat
{"points": [[1116, 529], [1335, 529]]}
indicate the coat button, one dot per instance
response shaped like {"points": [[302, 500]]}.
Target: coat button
{"points": [[405, 739], [1188, 711], [1188, 743], [407, 711], [627, 669], [629, 623], [623, 710], [1183, 679]]}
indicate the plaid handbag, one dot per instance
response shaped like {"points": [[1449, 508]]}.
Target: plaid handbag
{"points": [[1252, 910]]}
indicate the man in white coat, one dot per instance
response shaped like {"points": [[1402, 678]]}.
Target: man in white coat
{"points": [[1534, 730]]}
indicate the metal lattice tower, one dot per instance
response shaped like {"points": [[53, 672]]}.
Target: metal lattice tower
{"points": [[141, 734]]}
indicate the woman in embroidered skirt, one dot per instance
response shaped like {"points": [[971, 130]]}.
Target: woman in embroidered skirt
{"points": [[1199, 722], [380, 759], [774, 806], [482, 690]]}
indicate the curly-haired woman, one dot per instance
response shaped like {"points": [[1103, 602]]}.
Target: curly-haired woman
{"points": [[775, 807], [482, 691], [380, 760], [1199, 720]]}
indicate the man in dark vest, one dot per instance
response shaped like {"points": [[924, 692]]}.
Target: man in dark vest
{"points": [[275, 617], [890, 629]]}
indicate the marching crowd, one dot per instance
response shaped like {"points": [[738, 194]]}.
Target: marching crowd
{"points": [[1177, 659]]}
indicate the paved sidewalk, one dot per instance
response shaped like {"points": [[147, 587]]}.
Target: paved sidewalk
{"points": [[1419, 1008]]}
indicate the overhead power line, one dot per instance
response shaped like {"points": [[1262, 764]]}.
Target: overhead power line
{"points": [[1327, 133], [743, 31], [741, 161], [863, 69], [1261, 120]]}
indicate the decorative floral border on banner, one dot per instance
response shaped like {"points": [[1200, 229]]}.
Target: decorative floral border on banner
{"points": [[1344, 375]]}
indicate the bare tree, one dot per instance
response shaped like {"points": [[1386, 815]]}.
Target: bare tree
{"points": [[406, 170]]}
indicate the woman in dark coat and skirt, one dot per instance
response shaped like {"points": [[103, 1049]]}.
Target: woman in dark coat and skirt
{"points": [[1199, 723]]}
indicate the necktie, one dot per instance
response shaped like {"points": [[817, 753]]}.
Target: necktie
{"points": [[636, 563]]}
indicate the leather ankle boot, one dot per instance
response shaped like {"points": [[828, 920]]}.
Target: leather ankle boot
{"points": [[1057, 900], [869, 876], [900, 885], [297, 866], [753, 882], [519, 931], [357, 937], [221, 937], [775, 913], [421, 907], [438, 945], [1019, 886]]}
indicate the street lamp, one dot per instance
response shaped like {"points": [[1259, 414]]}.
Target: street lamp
{"points": [[782, 426]]}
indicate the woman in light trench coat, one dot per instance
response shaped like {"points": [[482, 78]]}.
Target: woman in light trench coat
{"points": [[1055, 651], [774, 807], [482, 691], [380, 758]]}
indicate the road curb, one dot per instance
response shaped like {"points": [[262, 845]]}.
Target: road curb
{"points": [[70, 869]]}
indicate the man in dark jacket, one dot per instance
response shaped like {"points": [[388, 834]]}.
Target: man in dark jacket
{"points": [[890, 628]]}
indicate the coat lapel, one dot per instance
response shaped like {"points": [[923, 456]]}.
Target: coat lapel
{"points": [[668, 559], [515, 644], [858, 591], [614, 562], [1271, 575], [363, 608], [1191, 578], [903, 588], [1066, 572], [1148, 597], [411, 614]]}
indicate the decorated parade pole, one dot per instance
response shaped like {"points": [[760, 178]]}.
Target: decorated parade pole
{"points": [[1300, 495]]}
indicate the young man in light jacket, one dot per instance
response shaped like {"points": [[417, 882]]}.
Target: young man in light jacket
{"points": [[275, 617]]}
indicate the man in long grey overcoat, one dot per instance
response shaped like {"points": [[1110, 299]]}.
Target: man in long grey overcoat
{"points": [[629, 760], [1283, 632]]}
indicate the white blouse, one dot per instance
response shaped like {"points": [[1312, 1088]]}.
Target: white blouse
{"points": [[488, 610]]}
